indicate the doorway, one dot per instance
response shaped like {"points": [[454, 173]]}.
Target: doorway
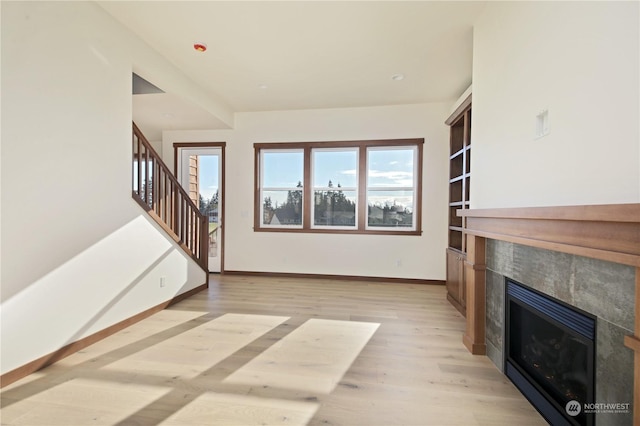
{"points": [[200, 170]]}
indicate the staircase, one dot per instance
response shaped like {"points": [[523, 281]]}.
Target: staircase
{"points": [[158, 191]]}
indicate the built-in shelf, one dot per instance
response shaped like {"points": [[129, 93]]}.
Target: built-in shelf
{"points": [[459, 194]]}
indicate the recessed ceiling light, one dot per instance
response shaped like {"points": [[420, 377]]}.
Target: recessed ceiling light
{"points": [[263, 86], [397, 77], [200, 47]]}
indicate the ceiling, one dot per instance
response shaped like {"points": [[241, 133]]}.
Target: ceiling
{"points": [[287, 55]]}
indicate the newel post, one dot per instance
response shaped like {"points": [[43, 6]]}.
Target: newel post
{"points": [[474, 279]]}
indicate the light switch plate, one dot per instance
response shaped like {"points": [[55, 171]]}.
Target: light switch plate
{"points": [[542, 123]]}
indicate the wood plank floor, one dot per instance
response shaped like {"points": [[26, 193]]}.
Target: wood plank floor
{"points": [[256, 351]]}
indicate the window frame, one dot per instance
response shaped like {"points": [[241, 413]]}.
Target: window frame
{"points": [[262, 189], [413, 188], [362, 189], [315, 188]]}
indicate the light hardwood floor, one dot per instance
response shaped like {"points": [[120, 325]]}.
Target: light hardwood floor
{"points": [[255, 350]]}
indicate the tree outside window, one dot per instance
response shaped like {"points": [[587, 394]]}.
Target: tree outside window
{"points": [[346, 187]]}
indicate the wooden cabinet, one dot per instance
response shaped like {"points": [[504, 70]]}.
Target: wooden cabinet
{"points": [[459, 192], [456, 289]]}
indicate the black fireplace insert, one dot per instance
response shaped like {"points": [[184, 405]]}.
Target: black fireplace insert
{"points": [[550, 354]]}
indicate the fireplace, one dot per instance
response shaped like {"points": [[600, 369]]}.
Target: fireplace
{"points": [[550, 354]]}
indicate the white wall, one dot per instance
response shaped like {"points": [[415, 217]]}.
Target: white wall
{"points": [[78, 253], [579, 60], [357, 255]]}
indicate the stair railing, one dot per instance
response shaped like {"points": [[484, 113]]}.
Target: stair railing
{"points": [[158, 191]]}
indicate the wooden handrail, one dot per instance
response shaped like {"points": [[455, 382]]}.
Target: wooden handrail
{"points": [[158, 191]]}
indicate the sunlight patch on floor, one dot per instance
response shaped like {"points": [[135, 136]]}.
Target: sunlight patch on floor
{"points": [[82, 402], [157, 323], [194, 351], [313, 358], [241, 410]]}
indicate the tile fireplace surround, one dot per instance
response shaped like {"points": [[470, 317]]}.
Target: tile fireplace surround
{"points": [[585, 256], [605, 290]]}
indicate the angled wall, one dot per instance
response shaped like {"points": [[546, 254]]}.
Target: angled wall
{"points": [[78, 254]]}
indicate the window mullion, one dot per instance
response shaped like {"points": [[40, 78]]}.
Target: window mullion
{"points": [[392, 188], [307, 191], [362, 207], [334, 188], [258, 213]]}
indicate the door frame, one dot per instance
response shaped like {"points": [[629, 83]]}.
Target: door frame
{"points": [[220, 145]]}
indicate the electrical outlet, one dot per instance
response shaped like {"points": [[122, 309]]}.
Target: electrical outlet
{"points": [[163, 281], [398, 263]]}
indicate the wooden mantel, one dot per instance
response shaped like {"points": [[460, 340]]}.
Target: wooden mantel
{"points": [[607, 232]]}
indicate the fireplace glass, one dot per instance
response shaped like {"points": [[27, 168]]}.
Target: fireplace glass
{"points": [[550, 353]]}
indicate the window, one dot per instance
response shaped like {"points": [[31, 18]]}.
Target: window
{"points": [[335, 187], [391, 183], [344, 187], [281, 188]]}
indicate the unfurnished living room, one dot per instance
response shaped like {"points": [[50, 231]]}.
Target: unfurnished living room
{"points": [[320, 213]]}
